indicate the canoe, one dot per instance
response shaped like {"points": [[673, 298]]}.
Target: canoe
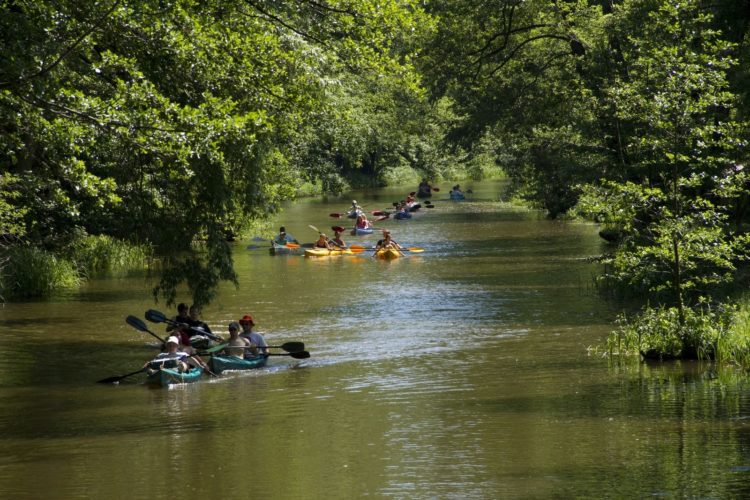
{"points": [[361, 232], [169, 376], [284, 250], [387, 254], [322, 252], [219, 364]]}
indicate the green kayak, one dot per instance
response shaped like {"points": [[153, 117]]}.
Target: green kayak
{"points": [[219, 364], [169, 376]]}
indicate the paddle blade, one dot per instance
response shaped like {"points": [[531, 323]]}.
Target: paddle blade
{"points": [[379, 219], [430, 206], [436, 189], [314, 228], [136, 323], [293, 346], [338, 229], [300, 355], [291, 245], [155, 316], [377, 213], [357, 249], [216, 348], [335, 216], [412, 193], [415, 249]]}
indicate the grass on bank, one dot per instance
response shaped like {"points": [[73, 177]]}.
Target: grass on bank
{"points": [[30, 272], [721, 334]]}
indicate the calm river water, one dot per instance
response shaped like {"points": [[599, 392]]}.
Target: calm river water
{"points": [[460, 372]]}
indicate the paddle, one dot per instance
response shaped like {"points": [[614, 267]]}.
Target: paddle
{"points": [[140, 325], [292, 245], [295, 355], [157, 317], [112, 380], [287, 346], [335, 215]]}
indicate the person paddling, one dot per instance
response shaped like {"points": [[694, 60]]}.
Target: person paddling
{"points": [[174, 358], [258, 343], [337, 230], [283, 238], [236, 343], [323, 242], [385, 243]]}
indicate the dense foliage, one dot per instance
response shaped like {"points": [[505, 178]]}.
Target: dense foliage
{"points": [[178, 124]]}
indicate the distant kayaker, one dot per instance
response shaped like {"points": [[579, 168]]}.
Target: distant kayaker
{"points": [[283, 238], [362, 222], [387, 242], [424, 190], [323, 242], [237, 344], [337, 237], [456, 193], [257, 341], [174, 358]]}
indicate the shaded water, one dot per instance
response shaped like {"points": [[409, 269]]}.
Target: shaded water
{"points": [[459, 372]]}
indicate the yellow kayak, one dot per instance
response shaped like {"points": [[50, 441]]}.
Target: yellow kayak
{"points": [[322, 252], [388, 254]]}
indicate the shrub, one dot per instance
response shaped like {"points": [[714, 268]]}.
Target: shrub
{"points": [[32, 272], [101, 254]]}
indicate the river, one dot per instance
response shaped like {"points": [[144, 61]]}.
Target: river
{"points": [[465, 371]]}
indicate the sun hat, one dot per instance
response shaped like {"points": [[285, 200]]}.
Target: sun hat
{"points": [[173, 340], [247, 319]]}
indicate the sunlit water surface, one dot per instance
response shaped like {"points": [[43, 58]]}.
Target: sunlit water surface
{"points": [[460, 372]]}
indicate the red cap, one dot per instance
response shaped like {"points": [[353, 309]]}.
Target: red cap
{"points": [[247, 319]]}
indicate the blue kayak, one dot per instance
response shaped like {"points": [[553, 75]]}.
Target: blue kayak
{"points": [[219, 364], [402, 215], [361, 232], [170, 376]]}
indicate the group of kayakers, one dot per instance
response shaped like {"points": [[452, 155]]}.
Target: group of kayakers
{"points": [[188, 333]]}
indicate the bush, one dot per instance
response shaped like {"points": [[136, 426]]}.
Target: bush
{"points": [[657, 333], [735, 345], [32, 272]]}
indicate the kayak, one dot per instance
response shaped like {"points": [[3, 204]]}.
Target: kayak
{"points": [[387, 254], [402, 215], [457, 196], [322, 252], [284, 250], [170, 376], [413, 207], [219, 364], [357, 231]]}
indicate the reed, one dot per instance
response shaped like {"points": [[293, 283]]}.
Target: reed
{"points": [[104, 254], [734, 346], [33, 272]]}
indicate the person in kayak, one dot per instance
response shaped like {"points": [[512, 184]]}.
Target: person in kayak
{"points": [[258, 343], [182, 318], [337, 241], [323, 242], [283, 238], [200, 333], [237, 345], [424, 190], [174, 358], [362, 222], [387, 242]]}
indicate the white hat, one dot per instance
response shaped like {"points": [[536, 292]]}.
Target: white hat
{"points": [[173, 340], [354, 201]]}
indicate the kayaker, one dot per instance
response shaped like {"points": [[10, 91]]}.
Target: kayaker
{"points": [[323, 242], [355, 209], [424, 190], [183, 317], [456, 193], [237, 344], [174, 358], [283, 238], [362, 222], [200, 333], [387, 242], [337, 230], [257, 341]]}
